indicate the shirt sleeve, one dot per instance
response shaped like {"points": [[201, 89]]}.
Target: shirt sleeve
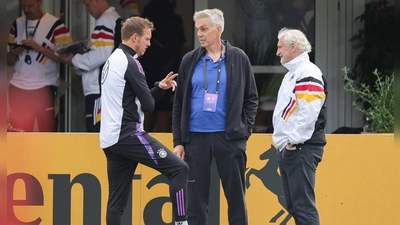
{"points": [[101, 47], [60, 34], [310, 97], [12, 34], [137, 80]]}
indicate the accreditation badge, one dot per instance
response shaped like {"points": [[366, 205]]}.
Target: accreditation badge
{"points": [[210, 102]]}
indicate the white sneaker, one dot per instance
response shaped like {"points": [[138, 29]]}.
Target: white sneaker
{"points": [[181, 223]]}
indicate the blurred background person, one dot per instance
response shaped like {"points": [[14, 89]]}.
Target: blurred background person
{"points": [[32, 89], [125, 8], [163, 56], [101, 44]]}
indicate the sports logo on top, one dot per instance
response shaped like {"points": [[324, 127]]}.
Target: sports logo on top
{"points": [[162, 153], [104, 72]]}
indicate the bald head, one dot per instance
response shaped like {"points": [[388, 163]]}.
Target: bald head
{"points": [[96, 8]]}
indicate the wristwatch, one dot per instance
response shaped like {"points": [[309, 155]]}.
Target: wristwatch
{"points": [[291, 145]]}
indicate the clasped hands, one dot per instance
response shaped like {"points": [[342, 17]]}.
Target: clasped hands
{"points": [[168, 82]]}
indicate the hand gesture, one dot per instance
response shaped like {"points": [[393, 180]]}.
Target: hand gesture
{"points": [[168, 82]]}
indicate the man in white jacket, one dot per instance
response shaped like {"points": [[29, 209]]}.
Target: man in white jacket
{"points": [[299, 121], [89, 65]]}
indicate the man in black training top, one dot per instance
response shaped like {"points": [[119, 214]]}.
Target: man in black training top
{"points": [[125, 99]]}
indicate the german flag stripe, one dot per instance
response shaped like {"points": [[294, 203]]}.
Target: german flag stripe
{"points": [[10, 39], [102, 36], [289, 110], [44, 61], [62, 39], [309, 87], [98, 44], [104, 29], [311, 97], [13, 33], [40, 56], [13, 30], [308, 80], [50, 34]]}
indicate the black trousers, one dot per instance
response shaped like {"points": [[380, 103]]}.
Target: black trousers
{"points": [[122, 160], [298, 169], [230, 157]]}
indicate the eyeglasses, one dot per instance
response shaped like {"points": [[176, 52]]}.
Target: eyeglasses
{"points": [[28, 6]]}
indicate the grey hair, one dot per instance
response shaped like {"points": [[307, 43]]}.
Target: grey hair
{"points": [[216, 17], [294, 36]]}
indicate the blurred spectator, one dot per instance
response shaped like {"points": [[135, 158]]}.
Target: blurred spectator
{"points": [[125, 8], [31, 43], [104, 38], [163, 56], [299, 14], [307, 23]]}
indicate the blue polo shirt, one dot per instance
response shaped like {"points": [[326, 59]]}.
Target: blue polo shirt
{"points": [[205, 121]]}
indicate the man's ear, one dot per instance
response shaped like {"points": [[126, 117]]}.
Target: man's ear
{"points": [[219, 29], [293, 47], [134, 37]]}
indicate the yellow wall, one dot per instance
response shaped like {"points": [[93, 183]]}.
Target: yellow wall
{"points": [[357, 180]]}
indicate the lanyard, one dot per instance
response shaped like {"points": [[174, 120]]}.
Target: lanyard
{"points": [[218, 75], [34, 31]]}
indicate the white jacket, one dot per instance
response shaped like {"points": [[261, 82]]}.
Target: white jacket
{"points": [[300, 99], [100, 45]]}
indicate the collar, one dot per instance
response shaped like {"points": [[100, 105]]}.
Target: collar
{"points": [[111, 8], [294, 63], [202, 50], [128, 49]]}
